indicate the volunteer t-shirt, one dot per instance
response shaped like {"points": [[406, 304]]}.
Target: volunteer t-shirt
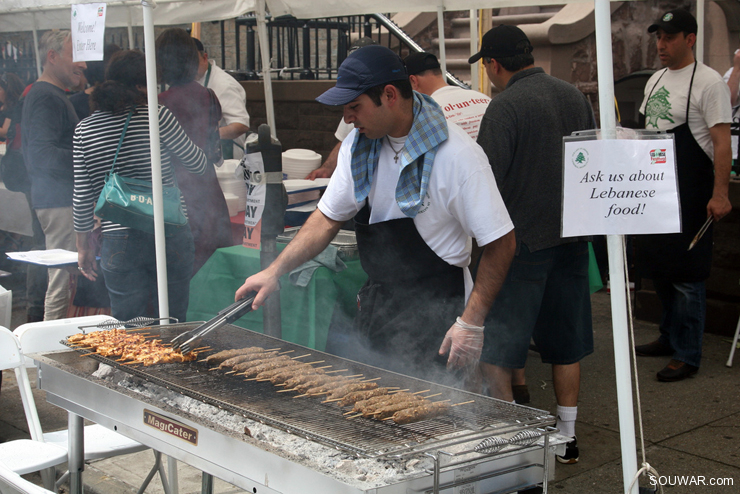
{"points": [[666, 106], [463, 107], [463, 200]]}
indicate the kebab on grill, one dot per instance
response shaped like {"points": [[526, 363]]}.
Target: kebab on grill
{"points": [[425, 411], [379, 401], [246, 357], [247, 369], [355, 396], [342, 391], [219, 357]]}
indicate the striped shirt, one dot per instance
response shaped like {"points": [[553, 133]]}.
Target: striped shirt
{"points": [[95, 142]]}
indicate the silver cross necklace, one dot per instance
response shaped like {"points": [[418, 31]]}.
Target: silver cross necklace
{"points": [[395, 158]]}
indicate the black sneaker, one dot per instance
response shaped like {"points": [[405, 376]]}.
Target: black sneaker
{"points": [[571, 453]]}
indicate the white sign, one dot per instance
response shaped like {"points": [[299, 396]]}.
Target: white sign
{"points": [[88, 31], [253, 169], [619, 187]]}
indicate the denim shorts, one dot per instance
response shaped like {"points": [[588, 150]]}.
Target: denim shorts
{"points": [[545, 297]]}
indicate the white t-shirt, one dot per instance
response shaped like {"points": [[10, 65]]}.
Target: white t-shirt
{"points": [[233, 101], [343, 130], [463, 107], [463, 200], [710, 102]]}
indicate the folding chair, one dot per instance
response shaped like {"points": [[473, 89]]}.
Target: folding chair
{"points": [[24, 456], [12, 483], [100, 443]]}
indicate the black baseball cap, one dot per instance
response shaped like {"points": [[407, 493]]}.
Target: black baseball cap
{"points": [[199, 45], [416, 63], [675, 21], [501, 42], [367, 67]]}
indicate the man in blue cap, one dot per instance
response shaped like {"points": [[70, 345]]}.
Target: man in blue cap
{"points": [[418, 190]]}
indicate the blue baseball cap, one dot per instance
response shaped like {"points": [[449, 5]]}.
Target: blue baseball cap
{"points": [[367, 67]]}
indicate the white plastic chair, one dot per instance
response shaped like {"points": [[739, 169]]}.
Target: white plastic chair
{"points": [[100, 443], [12, 483], [24, 456]]}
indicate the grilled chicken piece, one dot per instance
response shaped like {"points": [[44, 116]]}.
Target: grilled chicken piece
{"points": [[424, 412]]}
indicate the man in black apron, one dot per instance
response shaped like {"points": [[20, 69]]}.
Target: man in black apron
{"points": [[691, 101], [418, 191]]}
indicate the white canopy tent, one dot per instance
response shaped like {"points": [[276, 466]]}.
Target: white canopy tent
{"points": [[19, 15]]}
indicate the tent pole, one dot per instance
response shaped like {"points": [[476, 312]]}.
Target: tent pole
{"points": [[152, 103], [266, 66], [159, 239], [36, 47], [474, 79], [441, 34], [700, 35], [130, 30], [602, 18]]}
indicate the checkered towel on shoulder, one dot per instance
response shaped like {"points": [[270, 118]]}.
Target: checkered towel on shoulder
{"points": [[428, 131]]}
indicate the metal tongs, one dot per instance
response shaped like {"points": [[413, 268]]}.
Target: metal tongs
{"points": [[701, 232], [189, 340]]}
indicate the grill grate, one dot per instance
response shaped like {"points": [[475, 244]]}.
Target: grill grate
{"points": [[324, 422]]}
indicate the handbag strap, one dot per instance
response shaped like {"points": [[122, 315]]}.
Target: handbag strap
{"points": [[120, 141]]}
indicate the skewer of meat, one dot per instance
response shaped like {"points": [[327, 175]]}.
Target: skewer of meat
{"points": [[342, 391], [385, 400], [425, 411], [354, 396], [247, 357], [274, 364], [289, 371], [219, 357]]}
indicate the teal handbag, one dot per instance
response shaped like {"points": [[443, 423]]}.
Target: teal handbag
{"points": [[128, 201]]}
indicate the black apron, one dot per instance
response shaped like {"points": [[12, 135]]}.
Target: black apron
{"points": [[410, 300], [666, 257]]}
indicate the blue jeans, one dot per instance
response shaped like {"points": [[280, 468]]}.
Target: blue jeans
{"points": [[682, 323], [129, 268]]}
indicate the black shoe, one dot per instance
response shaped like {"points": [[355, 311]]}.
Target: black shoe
{"points": [[521, 393], [676, 371], [654, 349], [571, 453]]}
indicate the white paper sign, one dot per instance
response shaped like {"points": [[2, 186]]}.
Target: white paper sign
{"points": [[254, 175], [619, 187], [88, 31]]}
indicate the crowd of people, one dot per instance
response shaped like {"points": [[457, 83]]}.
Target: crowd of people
{"points": [[60, 145], [424, 169]]}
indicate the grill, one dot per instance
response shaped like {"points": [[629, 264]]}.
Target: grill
{"points": [[515, 426]]}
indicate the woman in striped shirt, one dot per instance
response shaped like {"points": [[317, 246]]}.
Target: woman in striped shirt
{"points": [[127, 255]]}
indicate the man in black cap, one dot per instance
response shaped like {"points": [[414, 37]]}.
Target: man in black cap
{"points": [[463, 107], [418, 190], [691, 101], [546, 294]]}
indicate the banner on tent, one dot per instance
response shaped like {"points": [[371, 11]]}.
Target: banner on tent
{"points": [[253, 169], [619, 187], [88, 31]]}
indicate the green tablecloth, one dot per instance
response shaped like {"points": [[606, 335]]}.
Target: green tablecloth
{"points": [[306, 312]]}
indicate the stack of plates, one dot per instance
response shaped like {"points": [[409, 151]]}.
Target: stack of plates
{"points": [[303, 191], [234, 189], [297, 163]]}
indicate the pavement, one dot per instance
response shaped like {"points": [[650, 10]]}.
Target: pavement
{"points": [[691, 428]]}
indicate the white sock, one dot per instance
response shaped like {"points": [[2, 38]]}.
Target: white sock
{"points": [[567, 420]]}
